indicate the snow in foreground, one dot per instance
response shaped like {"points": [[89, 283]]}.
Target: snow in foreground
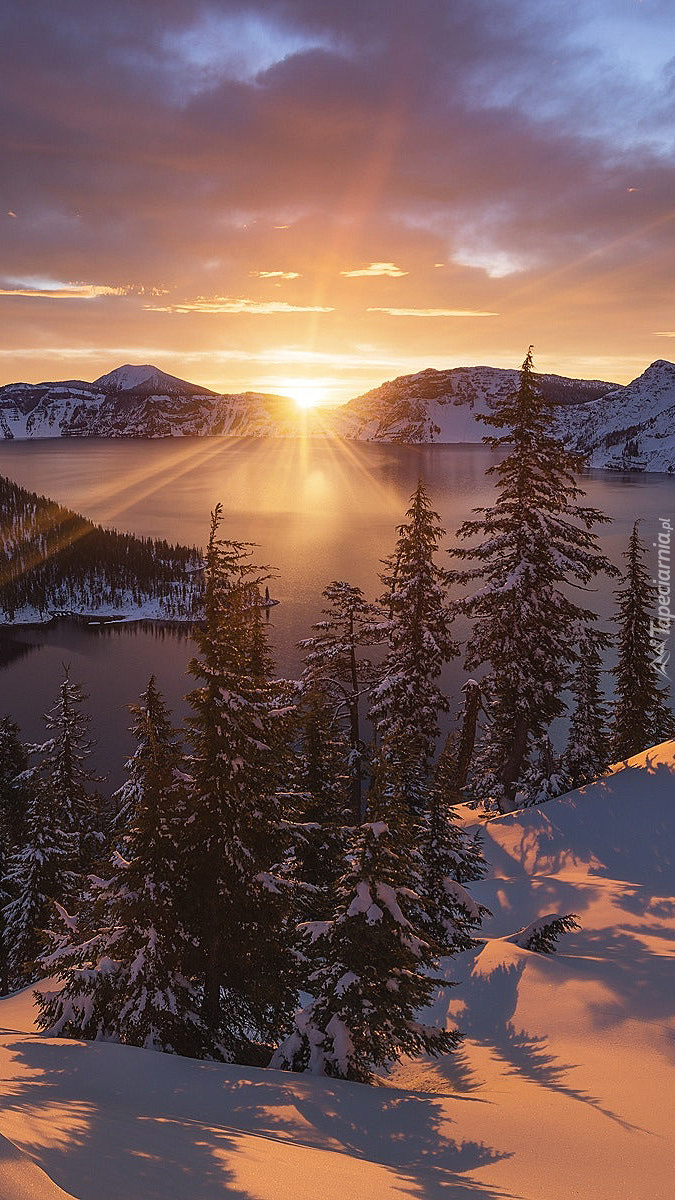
{"points": [[563, 1087]]}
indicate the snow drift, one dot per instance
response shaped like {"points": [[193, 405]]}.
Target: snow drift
{"points": [[562, 1087]]}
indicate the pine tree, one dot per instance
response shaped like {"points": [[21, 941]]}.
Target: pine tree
{"points": [[450, 858], [320, 785], [13, 799], [544, 776], [587, 753], [370, 966], [233, 831], [642, 714], [124, 970], [334, 663], [536, 541], [406, 701], [63, 765], [39, 875]]}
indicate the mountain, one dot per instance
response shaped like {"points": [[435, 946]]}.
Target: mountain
{"points": [[137, 401], [631, 425], [442, 406], [561, 1088], [147, 381], [640, 416], [142, 401]]}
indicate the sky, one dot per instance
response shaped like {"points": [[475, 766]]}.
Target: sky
{"points": [[282, 195]]}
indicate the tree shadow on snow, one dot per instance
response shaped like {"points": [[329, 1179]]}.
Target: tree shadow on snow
{"points": [[408, 1132], [90, 1141], [112, 1121], [491, 1002]]}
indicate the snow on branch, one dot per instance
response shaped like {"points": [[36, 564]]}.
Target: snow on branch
{"points": [[542, 935]]}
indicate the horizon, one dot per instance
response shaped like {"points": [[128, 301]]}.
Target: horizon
{"points": [[297, 389], [276, 196]]}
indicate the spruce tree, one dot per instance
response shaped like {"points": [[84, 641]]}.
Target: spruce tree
{"points": [[335, 662], [39, 875], [528, 548], [124, 971], [63, 764], [320, 784], [13, 800], [233, 830], [407, 701], [451, 858], [642, 713], [369, 965], [587, 754]]}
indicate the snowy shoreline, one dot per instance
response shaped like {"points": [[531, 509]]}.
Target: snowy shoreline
{"points": [[32, 619]]}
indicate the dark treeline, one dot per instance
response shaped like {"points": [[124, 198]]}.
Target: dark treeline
{"points": [[273, 884], [51, 559]]}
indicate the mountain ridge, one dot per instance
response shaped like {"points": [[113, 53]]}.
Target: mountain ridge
{"points": [[595, 417]]}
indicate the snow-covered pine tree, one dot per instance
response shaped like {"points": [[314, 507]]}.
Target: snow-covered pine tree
{"points": [[334, 662], [542, 935], [13, 761], [587, 754], [642, 714], [39, 874], [534, 541], [370, 965], [62, 762], [124, 970], [320, 784], [406, 701], [544, 776], [450, 858], [232, 835]]}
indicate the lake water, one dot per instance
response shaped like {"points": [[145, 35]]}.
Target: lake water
{"points": [[318, 510]]}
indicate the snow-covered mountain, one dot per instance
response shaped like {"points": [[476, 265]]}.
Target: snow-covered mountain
{"points": [[596, 417], [148, 380], [442, 406], [640, 416], [142, 401], [137, 401]]}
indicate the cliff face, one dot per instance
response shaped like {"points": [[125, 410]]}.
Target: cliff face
{"points": [[442, 406], [640, 417]]}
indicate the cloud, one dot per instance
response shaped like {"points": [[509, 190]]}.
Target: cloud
{"points": [[433, 312], [226, 304], [54, 290], [276, 274], [180, 143], [375, 268]]}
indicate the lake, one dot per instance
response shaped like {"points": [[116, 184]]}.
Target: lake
{"points": [[319, 510]]}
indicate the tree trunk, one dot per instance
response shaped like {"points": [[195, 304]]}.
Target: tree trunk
{"points": [[467, 737], [354, 728], [512, 767], [212, 949]]}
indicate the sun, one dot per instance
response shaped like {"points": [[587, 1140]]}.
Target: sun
{"points": [[306, 394], [307, 399]]}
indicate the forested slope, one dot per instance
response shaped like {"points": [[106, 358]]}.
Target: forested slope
{"points": [[53, 560]]}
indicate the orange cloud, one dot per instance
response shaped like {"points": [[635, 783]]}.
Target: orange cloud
{"points": [[226, 304], [433, 312], [375, 268], [66, 291]]}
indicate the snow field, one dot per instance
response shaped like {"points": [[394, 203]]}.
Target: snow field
{"points": [[562, 1087]]}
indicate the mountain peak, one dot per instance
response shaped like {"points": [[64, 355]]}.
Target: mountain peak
{"points": [[146, 378]]}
